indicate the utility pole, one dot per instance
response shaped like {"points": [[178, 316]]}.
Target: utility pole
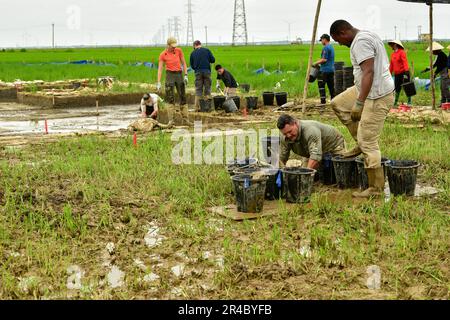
{"points": [[190, 24], [395, 29], [419, 32], [53, 35], [240, 23], [176, 28], [169, 28], [289, 30], [206, 35], [163, 31]]}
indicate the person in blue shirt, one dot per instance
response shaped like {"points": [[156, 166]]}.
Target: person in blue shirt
{"points": [[326, 63], [201, 60]]}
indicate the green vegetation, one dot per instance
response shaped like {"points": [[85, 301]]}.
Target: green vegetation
{"points": [[62, 203], [241, 61]]}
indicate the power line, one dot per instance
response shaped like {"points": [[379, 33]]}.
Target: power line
{"points": [[239, 23]]}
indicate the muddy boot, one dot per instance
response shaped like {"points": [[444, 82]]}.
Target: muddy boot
{"points": [[376, 184]]}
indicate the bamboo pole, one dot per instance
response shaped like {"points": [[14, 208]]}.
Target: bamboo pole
{"points": [[433, 87], [311, 52]]}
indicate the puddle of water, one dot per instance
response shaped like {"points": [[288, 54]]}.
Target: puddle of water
{"points": [[74, 280], [152, 277], [17, 119], [115, 277], [178, 270], [153, 238]]}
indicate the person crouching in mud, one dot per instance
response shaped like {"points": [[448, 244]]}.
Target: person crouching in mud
{"points": [[149, 106], [309, 139]]}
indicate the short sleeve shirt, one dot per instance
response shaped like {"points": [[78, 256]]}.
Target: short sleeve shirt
{"points": [[367, 45], [314, 140], [172, 59], [328, 54]]}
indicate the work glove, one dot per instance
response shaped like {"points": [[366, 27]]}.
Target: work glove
{"points": [[158, 87], [186, 80], [217, 86], [357, 111]]}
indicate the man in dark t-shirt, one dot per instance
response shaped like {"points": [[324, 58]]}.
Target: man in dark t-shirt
{"points": [[228, 80]]}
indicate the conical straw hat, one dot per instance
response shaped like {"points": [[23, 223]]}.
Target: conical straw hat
{"points": [[436, 46], [398, 42]]}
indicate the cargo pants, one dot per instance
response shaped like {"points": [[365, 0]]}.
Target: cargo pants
{"points": [[175, 80], [366, 132]]}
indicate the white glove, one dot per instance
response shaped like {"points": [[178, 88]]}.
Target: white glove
{"points": [[218, 86], [186, 79], [158, 86]]}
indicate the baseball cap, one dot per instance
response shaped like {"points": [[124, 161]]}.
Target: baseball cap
{"points": [[325, 36]]}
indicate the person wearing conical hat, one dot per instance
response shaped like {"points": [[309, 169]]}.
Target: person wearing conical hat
{"points": [[441, 65], [400, 68]]}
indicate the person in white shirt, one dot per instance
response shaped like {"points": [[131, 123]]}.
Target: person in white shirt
{"points": [[149, 105], [364, 107]]}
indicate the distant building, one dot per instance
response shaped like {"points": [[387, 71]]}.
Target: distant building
{"points": [[425, 37], [297, 41]]}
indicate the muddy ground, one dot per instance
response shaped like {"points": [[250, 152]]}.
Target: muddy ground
{"points": [[84, 214]]}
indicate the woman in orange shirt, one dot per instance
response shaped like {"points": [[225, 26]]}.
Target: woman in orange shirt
{"points": [[400, 68]]}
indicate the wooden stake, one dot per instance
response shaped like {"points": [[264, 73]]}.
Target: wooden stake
{"points": [[311, 52], [433, 87]]}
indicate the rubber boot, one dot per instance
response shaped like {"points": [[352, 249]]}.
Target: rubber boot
{"points": [[376, 184], [409, 101]]}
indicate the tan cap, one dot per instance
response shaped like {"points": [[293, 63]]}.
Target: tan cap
{"points": [[436, 46], [172, 42], [398, 42]]}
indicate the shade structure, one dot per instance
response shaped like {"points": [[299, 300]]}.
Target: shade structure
{"points": [[430, 4]]}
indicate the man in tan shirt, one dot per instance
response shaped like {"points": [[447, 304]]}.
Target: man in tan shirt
{"points": [[309, 139]]}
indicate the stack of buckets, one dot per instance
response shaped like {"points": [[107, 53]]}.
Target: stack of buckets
{"points": [[402, 175], [253, 183]]}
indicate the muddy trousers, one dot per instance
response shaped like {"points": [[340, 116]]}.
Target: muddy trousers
{"points": [[175, 80], [326, 79], [445, 85], [367, 132]]}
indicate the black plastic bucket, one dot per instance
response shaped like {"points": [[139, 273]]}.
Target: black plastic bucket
{"points": [[410, 89], [249, 193], [252, 102], [346, 172], [245, 87], [281, 98], [218, 102], [205, 105], [313, 74], [271, 146], [237, 101], [298, 184], [236, 164], [230, 106], [268, 98], [274, 185], [363, 179], [402, 176], [325, 172]]}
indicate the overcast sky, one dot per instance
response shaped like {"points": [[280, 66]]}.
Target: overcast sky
{"points": [[89, 22]]}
